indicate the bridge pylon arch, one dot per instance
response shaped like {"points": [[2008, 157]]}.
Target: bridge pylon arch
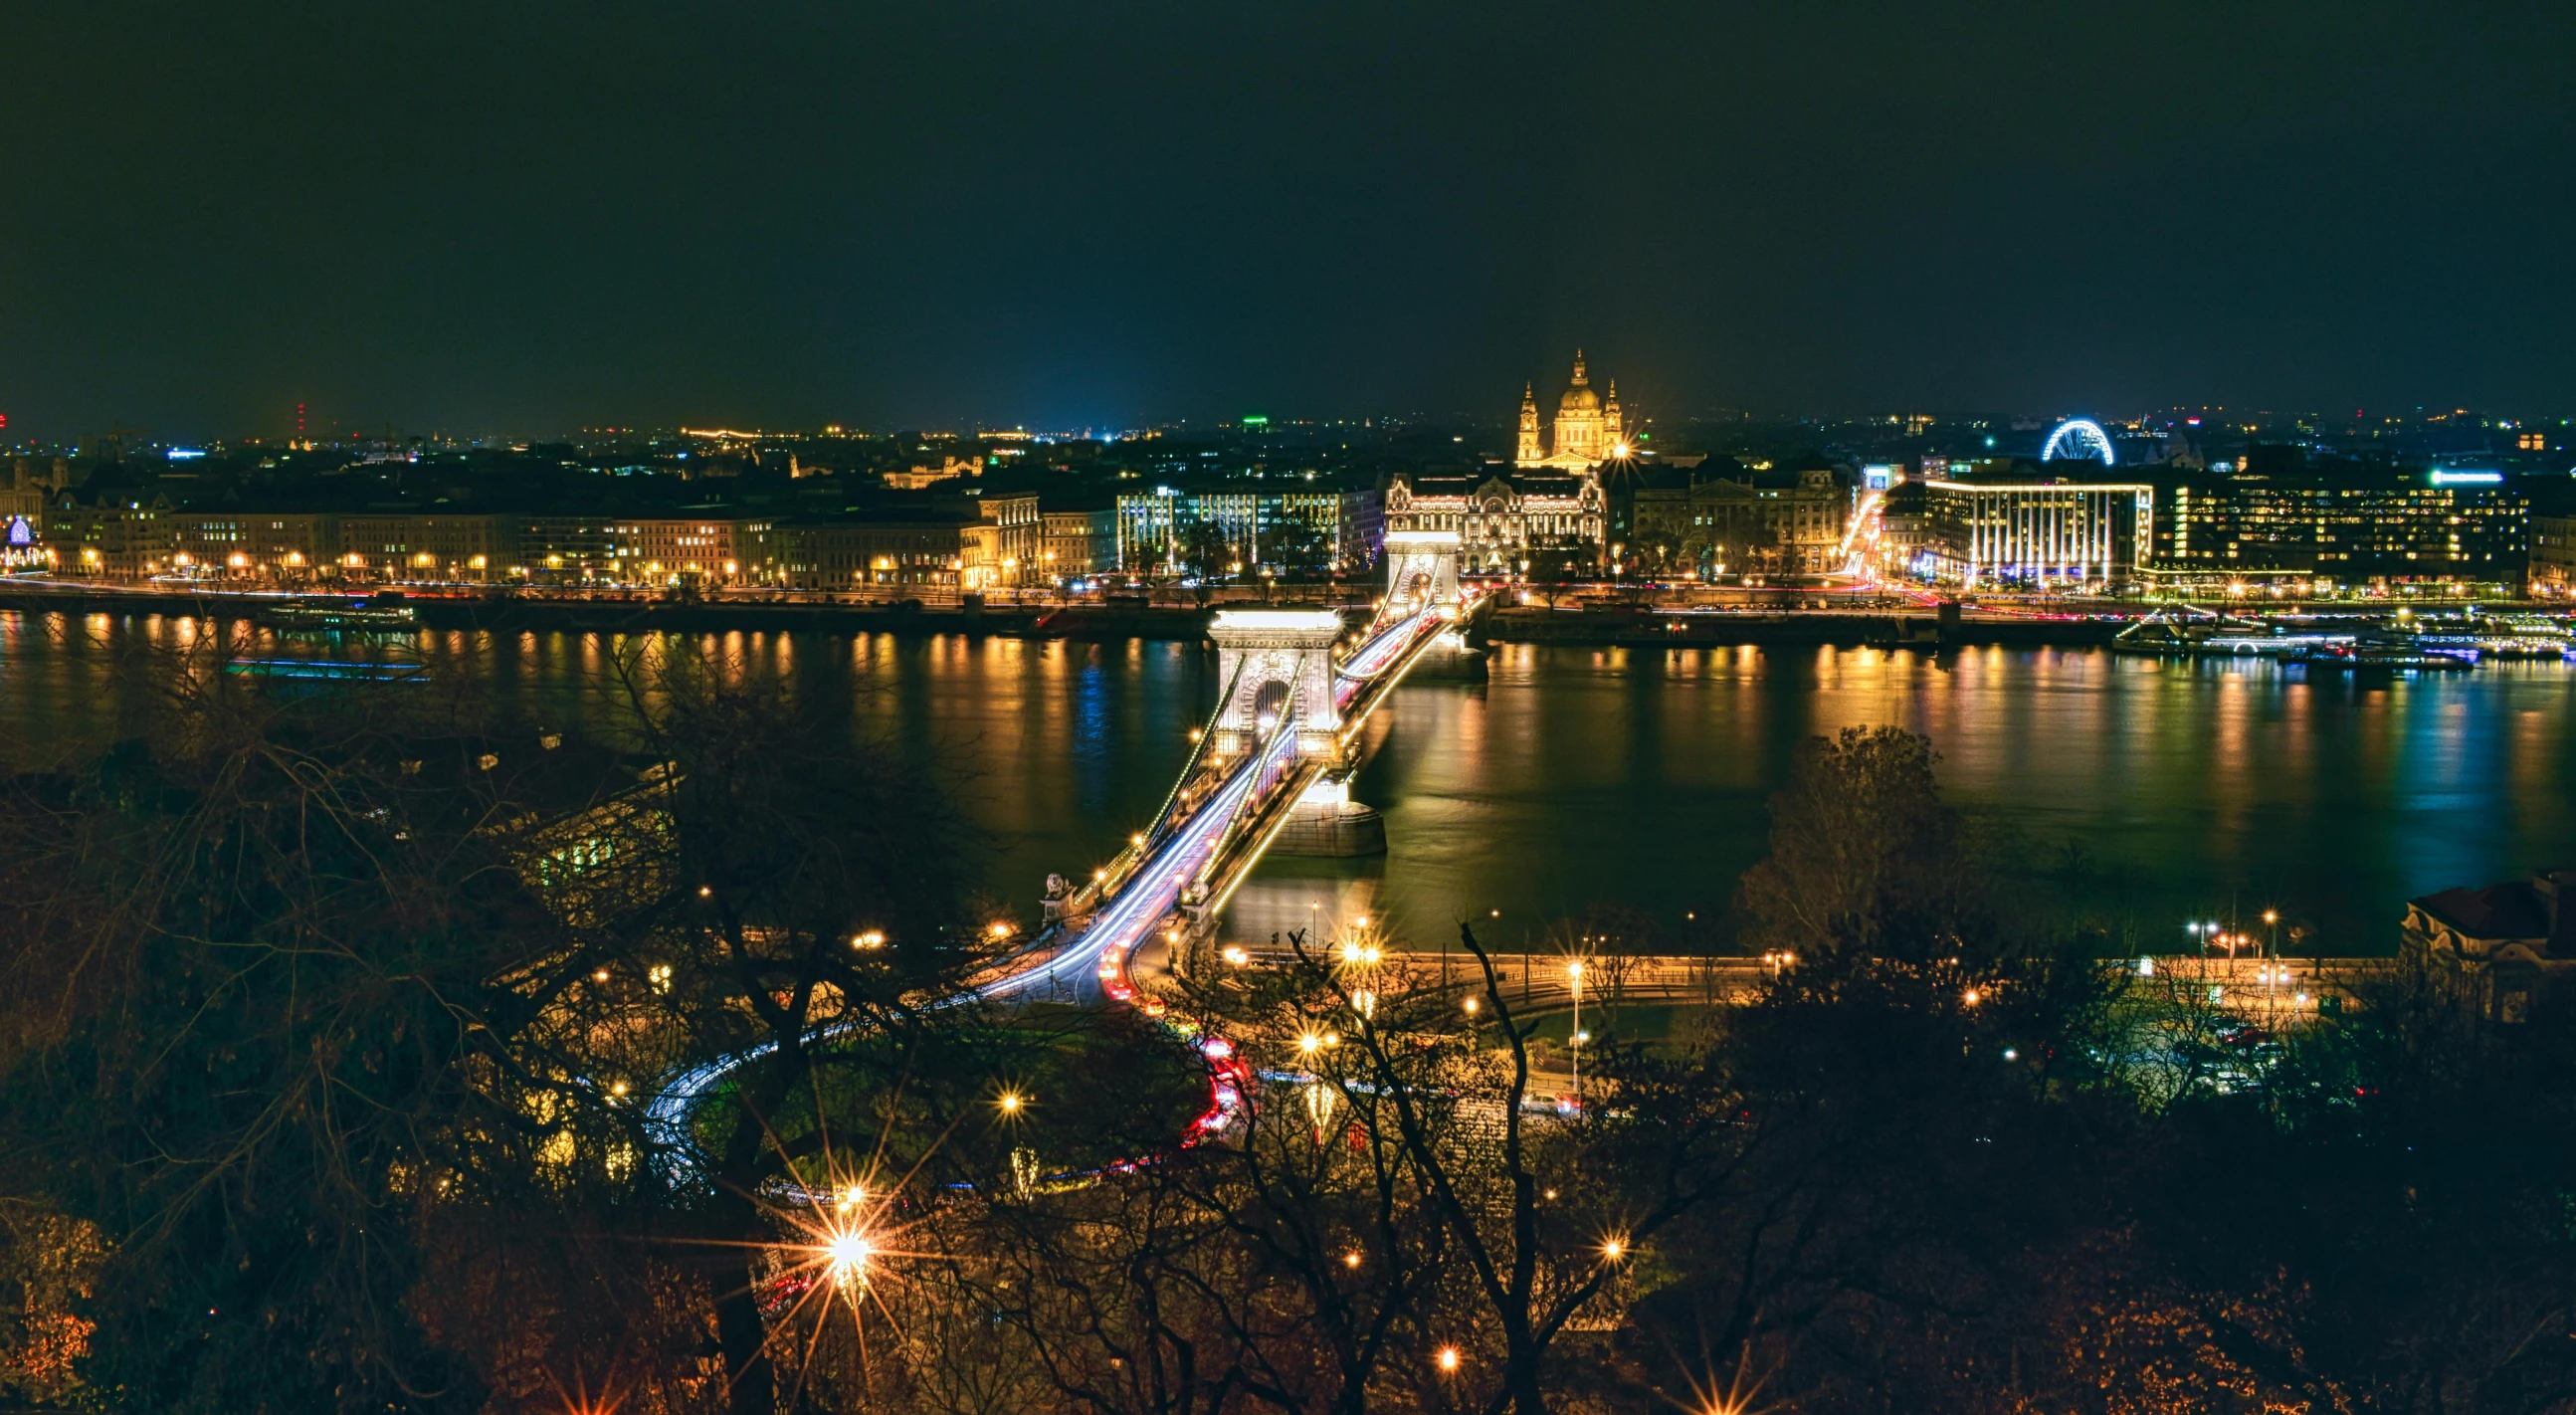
{"points": [[1421, 572], [1280, 663]]}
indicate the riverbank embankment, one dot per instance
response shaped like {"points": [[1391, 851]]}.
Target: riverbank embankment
{"points": [[1587, 624]]}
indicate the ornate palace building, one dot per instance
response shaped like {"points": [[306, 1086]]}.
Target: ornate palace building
{"points": [[1546, 517], [1588, 430], [1507, 524]]}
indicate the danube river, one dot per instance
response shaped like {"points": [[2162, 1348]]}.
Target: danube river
{"points": [[1524, 784]]}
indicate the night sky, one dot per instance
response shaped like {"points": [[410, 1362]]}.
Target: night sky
{"points": [[543, 214]]}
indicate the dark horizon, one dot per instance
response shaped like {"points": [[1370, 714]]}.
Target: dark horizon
{"points": [[503, 222]]}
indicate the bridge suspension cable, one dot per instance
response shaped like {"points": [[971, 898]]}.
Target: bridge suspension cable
{"points": [[1161, 829]]}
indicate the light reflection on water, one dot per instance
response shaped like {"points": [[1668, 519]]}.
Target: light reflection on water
{"points": [[2126, 793], [1537, 781]]}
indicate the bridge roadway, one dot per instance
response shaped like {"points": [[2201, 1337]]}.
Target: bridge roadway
{"points": [[1085, 958]]}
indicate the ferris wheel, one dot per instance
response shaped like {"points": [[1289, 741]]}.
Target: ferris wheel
{"points": [[2078, 440]]}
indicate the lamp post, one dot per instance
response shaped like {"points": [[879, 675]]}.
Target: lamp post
{"points": [[1574, 1036]]}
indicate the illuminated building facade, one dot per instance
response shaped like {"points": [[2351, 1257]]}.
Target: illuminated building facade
{"points": [[283, 547], [2427, 525], [675, 551], [920, 551], [1588, 430], [2019, 535], [920, 477], [1505, 523], [1075, 544], [1003, 548], [2553, 554], [566, 550], [1740, 522], [109, 535], [1336, 530], [440, 548]]}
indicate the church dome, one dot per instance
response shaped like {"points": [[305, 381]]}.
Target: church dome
{"points": [[1579, 397]]}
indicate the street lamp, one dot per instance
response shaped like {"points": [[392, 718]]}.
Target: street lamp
{"points": [[845, 1256], [1573, 1040]]}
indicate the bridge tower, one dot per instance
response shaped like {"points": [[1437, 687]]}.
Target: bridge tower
{"points": [[1421, 570], [1280, 663]]}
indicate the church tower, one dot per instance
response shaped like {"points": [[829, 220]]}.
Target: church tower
{"points": [[1578, 419], [1588, 430]]}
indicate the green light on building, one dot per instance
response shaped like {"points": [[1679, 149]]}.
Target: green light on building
{"points": [[1255, 422]]}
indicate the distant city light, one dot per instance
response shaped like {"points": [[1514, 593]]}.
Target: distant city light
{"points": [[2467, 478]]}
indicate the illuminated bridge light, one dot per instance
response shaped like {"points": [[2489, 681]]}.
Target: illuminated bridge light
{"points": [[1200, 858]]}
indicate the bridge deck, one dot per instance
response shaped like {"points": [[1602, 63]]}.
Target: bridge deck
{"points": [[1233, 810]]}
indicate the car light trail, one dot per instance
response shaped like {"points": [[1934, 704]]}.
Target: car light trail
{"points": [[1094, 964]]}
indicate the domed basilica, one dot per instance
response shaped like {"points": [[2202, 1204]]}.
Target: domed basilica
{"points": [[1550, 505], [1588, 430]]}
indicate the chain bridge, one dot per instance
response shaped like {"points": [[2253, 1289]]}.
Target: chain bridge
{"points": [[1279, 744]]}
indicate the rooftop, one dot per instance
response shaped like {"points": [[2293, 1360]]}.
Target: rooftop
{"points": [[2510, 910]]}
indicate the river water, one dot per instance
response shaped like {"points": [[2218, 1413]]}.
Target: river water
{"points": [[1525, 784]]}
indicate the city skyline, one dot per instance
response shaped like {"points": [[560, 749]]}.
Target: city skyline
{"points": [[300, 424]]}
